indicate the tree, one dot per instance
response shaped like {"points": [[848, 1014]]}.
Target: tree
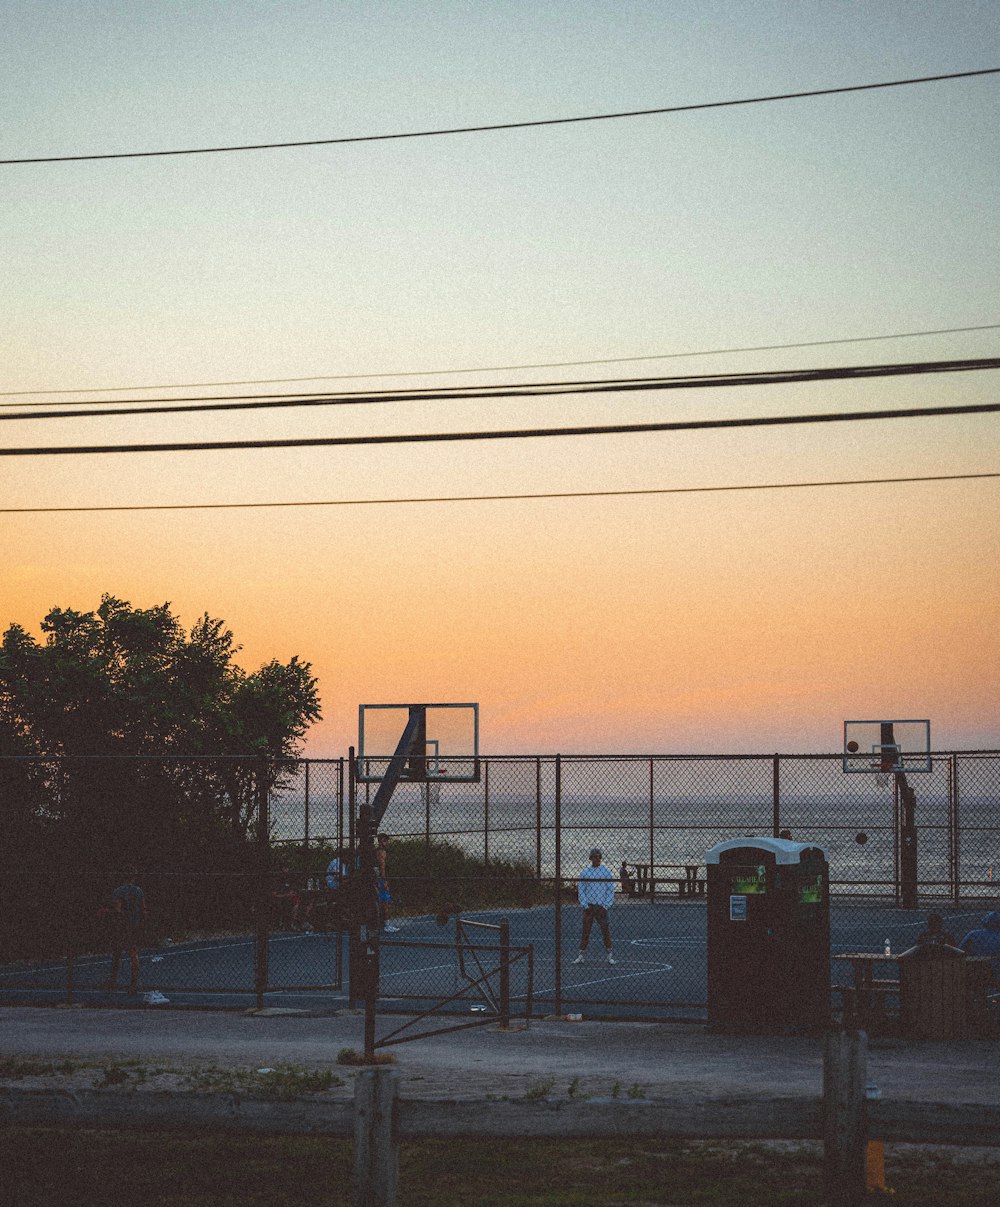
{"points": [[124, 681]]}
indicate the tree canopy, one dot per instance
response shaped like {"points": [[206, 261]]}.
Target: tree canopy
{"points": [[125, 681]]}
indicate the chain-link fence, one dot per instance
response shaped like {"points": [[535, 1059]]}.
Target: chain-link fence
{"points": [[242, 865]]}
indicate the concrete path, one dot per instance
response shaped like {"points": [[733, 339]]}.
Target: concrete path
{"points": [[655, 1060]]}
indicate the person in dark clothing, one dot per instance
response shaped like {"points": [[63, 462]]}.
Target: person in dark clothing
{"points": [[127, 915], [935, 932]]}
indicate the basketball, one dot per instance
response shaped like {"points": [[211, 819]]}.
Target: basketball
{"points": [[852, 747]]}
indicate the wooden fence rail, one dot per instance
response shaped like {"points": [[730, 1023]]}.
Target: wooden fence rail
{"points": [[843, 1118]]}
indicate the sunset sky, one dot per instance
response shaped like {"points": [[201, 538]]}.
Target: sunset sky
{"points": [[657, 623]]}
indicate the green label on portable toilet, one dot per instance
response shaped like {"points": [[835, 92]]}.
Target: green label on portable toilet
{"points": [[737, 908], [750, 880], [811, 893]]}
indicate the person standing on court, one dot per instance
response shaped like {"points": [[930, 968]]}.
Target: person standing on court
{"points": [[128, 913], [596, 894], [384, 895]]}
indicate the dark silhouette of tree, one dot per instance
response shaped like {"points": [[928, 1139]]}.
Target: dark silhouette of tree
{"points": [[198, 734]]}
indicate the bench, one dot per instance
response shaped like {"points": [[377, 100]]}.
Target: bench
{"points": [[687, 885], [646, 882]]}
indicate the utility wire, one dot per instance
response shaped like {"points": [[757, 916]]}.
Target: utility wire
{"points": [[530, 390], [554, 364], [560, 494], [551, 121], [506, 434]]}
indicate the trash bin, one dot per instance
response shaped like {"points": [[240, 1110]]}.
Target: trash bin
{"points": [[932, 992], [768, 936]]}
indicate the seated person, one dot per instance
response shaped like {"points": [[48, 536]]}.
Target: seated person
{"points": [[936, 933], [984, 940]]}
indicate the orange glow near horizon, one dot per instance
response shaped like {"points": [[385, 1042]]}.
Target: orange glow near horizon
{"points": [[736, 623]]}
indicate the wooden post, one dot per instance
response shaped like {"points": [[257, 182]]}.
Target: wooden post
{"points": [[376, 1138], [844, 1121]]}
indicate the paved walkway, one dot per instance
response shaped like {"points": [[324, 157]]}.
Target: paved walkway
{"points": [[655, 1059]]}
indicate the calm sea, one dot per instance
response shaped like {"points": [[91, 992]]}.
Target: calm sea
{"points": [[673, 813]]}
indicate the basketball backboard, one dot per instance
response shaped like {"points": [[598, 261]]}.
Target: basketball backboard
{"points": [[881, 747], [443, 746]]}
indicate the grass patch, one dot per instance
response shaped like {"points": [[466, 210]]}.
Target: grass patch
{"points": [[92, 1168], [542, 1090], [283, 1083], [351, 1056]]}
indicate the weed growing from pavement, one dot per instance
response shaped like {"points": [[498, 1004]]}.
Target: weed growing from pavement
{"points": [[542, 1090], [283, 1082], [351, 1056]]}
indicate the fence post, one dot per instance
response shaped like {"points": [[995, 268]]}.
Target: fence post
{"points": [[953, 830], [486, 813], [504, 973], [305, 820], [376, 1138], [652, 834], [844, 1122], [353, 934], [538, 818], [557, 986], [776, 795], [264, 881]]}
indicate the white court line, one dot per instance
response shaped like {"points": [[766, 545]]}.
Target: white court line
{"points": [[621, 976], [158, 953], [409, 971], [680, 941]]}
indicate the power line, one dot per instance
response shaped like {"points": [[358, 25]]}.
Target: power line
{"points": [[561, 494], [234, 402], [554, 364], [506, 434], [551, 121]]}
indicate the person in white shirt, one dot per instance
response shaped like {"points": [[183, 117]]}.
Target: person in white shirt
{"points": [[596, 893]]}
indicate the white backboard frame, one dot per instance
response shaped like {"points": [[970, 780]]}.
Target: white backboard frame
{"points": [[451, 746], [866, 753]]}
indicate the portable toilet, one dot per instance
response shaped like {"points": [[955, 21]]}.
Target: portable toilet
{"points": [[768, 936]]}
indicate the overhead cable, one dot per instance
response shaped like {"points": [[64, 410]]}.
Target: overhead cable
{"points": [[233, 402], [550, 121], [506, 498], [615, 429], [554, 364]]}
